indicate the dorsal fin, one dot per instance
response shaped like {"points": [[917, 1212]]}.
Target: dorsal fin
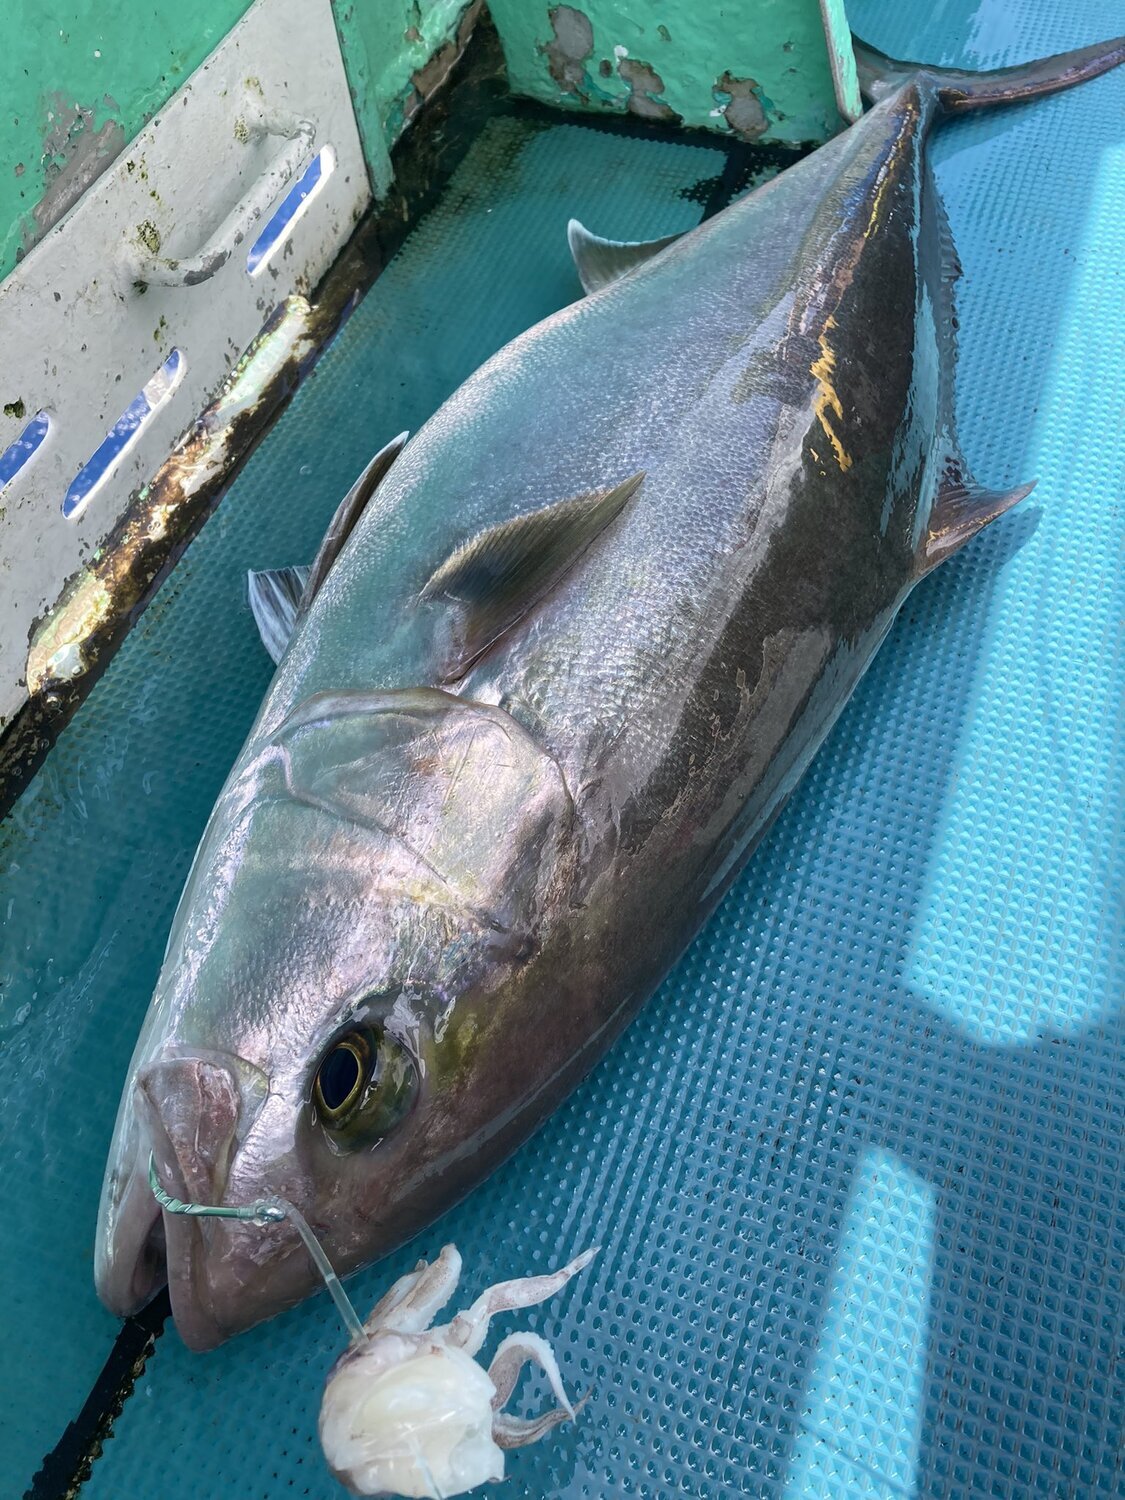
{"points": [[600, 261], [500, 574], [280, 597], [961, 509]]}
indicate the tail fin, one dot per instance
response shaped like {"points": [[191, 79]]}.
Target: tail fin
{"points": [[959, 91]]}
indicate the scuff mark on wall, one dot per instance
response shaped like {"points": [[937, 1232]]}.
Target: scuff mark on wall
{"points": [[425, 81], [572, 46], [741, 106], [645, 88], [75, 152]]}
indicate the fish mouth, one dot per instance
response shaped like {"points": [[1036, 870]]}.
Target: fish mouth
{"points": [[223, 1276], [142, 1249]]}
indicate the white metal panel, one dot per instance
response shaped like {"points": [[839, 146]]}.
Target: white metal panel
{"points": [[152, 260]]}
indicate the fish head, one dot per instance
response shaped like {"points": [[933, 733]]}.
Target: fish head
{"points": [[367, 900]]}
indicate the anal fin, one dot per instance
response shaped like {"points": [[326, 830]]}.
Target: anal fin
{"points": [[961, 509], [600, 262]]}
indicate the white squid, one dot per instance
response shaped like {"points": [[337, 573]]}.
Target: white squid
{"points": [[410, 1412]]}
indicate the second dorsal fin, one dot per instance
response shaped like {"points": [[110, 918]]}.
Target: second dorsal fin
{"points": [[600, 261], [495, 578]]}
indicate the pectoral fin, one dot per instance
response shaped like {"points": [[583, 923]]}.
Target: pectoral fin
{"points": [[494, 579], [280, 597], [275, 594], [963, 508], [601, 261]]}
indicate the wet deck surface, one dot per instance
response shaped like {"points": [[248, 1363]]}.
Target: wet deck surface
{"points": [[857, 1169]]}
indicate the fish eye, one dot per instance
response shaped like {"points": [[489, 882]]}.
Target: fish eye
{"points": [[363, 1087], [341, 1076]]}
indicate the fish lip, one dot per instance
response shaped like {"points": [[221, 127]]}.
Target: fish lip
{"points": [[188, 1288], [130, 1266], [141, 1247]]}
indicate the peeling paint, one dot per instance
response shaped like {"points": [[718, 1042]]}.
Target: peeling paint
{"points": [[15, 409], [663, 62], [741, 106], [573, 43], [74, 153], [645, 87], [397, 53]]}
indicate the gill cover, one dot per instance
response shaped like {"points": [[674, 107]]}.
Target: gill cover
{"points": [[470, 810]]}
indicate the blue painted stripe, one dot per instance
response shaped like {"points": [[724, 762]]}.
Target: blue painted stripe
{"points": [[123, 434], [19, 453], [290, 209]]}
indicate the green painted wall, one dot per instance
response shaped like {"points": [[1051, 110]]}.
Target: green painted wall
{"points": [[78, 79], [758, 68]]}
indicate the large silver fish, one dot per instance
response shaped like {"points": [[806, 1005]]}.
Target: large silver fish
{"points": [[560, 662]]}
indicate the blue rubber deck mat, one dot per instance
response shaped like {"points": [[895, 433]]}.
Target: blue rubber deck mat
{"points": [[857, 1170]]}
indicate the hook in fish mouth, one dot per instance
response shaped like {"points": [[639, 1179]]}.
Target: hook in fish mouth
{"points": [[182, 1120], [263, 1211]]}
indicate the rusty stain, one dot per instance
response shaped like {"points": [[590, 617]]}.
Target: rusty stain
{"points": [[645, 84], [743, 110], [573, 44]]}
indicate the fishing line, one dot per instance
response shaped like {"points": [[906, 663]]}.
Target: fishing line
{"points": [[269, 1211]]}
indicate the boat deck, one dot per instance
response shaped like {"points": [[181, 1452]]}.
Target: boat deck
{"points": [[857, 1170]]}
